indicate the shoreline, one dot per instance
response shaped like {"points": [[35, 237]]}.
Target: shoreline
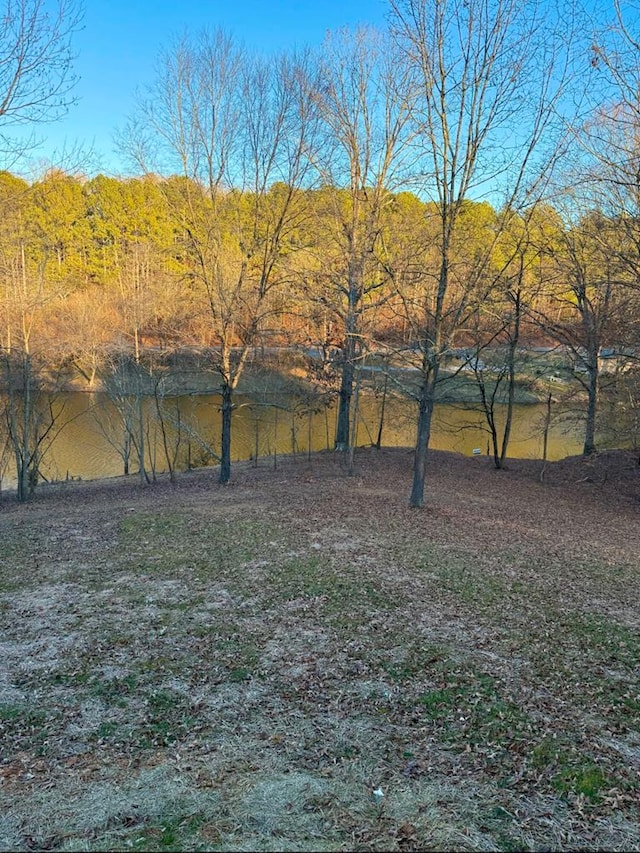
{"points": [[595, 471]]}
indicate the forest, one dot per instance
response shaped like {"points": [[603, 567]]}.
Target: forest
{"points": [[464, 184]]}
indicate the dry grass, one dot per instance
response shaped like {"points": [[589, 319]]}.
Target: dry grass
{"points": [[196, 667]]}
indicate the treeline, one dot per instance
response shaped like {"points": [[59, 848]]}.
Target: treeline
{"points": [[93, 267], [408, 192]]}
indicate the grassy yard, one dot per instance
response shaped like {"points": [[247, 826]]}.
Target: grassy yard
{"points": [[298, 661]]}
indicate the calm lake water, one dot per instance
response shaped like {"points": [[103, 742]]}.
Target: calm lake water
{"points": [[90, 444]]}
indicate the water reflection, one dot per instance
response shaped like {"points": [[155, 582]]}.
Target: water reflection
{"points": [[92, 443]]}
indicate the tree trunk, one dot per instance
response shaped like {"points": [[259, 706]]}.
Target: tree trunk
{"points": [[126, 452], [591, 363], [416, 498], [493, 430], [20, 427], [430, 367], [349, 353], [506, 434], [590, 426], [354, 427], [165, 437], [425, 415], [545, 440], [513, 345], [346, 392], [225, 451], [489, 410], [142, 470], [24, 490], [382, 408]]}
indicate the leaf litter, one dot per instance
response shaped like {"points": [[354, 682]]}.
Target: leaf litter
{"points": [[298, 661]]}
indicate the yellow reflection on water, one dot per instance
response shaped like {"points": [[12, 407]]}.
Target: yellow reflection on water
{"points": [[91, 443]]}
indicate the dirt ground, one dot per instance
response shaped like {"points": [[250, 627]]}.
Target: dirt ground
{"points": [[299, 661]]}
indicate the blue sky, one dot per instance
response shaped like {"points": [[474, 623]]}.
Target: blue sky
{"points": [[121, 39]]}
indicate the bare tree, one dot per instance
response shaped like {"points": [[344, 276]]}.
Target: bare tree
{"points": [[492, 73], [36, 79], [505, 308], [585, 293], [32, 415], [608, 189], [234, 130], [36, 67], [364, 102]]}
